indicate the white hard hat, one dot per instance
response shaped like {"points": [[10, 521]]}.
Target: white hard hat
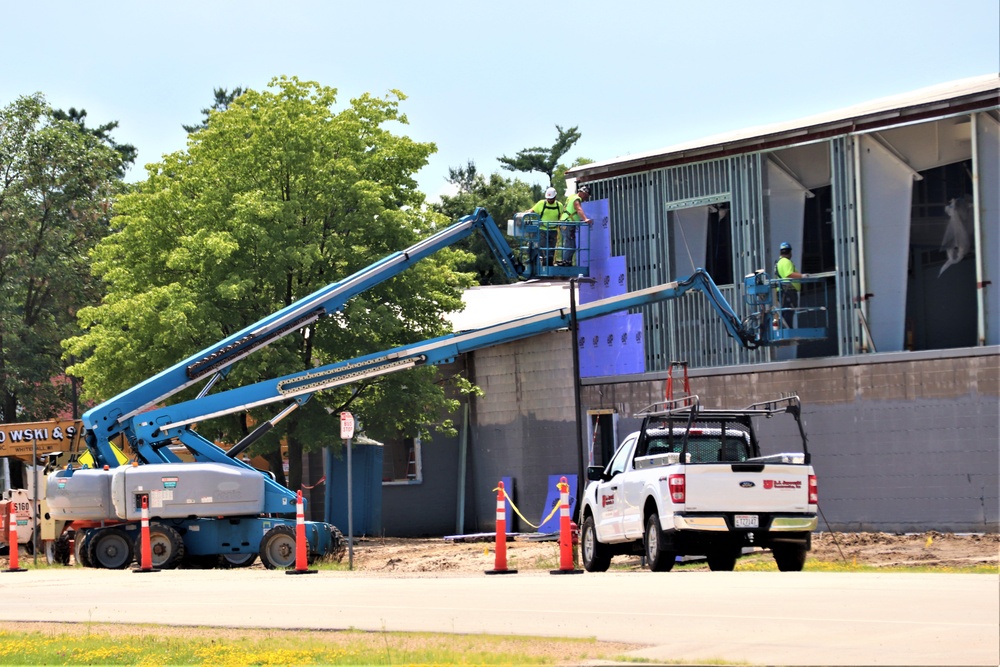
{"points": [[550, 193]]}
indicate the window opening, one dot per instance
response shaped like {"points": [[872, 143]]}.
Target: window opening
{"points": [[941, 306], [818, 250], [719, 250], [701, 238], [402, 461]]}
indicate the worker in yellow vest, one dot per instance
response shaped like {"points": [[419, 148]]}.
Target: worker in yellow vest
{"points": [[550, 212], [574, 213], [784, 269]]}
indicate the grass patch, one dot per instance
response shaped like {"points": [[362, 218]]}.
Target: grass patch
{"points": [[78, 644], [765, 563]]}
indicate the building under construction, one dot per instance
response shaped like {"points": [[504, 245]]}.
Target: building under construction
{"points": [[894, 205]]}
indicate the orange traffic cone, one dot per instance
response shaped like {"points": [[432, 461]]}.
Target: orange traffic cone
{"points": [[12, 541], [301, 557], [146, 557], [500, 562], [565, 533]]}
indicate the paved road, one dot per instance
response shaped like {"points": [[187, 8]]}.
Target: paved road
{"points": [[760, 618]]}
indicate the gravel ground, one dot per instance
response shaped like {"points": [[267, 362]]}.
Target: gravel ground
{"points": [[474, 555], [876, 549]]}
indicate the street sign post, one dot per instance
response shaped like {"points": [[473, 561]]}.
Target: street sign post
{"points": [[346, 433]]}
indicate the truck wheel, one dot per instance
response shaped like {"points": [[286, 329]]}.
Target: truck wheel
{"points": [[111, 549], [722, 561], [277, 548], [596, 556], [229, 561], [166, 546], [657, 559], [789, 558]]}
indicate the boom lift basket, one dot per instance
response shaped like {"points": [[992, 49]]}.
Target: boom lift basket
{"points": [[534, 249], [778, 325]]}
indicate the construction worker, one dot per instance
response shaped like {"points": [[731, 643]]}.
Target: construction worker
{"points": [[574, 213], [784, 269], [550, 212]]}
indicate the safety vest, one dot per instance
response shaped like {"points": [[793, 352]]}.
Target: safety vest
{"points": [[571, 213], [782, 268], [548, 213]]}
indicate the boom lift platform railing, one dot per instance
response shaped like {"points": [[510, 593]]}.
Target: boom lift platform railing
{"points": [[792, 324], [533, 248]]}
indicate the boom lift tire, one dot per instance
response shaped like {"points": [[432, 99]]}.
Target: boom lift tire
{"points": [[596, 556], [165, 544], [81, 551], [63, 548], [277, 548], [338, 545], [199, 562], [657, 559], [57, 551], [231, 561], [111, 549]]}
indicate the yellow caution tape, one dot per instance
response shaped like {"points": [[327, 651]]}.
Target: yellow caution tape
{"points": [[518, 512]]}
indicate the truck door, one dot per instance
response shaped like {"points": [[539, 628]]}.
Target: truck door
{"points": [[610, 494], [633, 493], [634, 489]]}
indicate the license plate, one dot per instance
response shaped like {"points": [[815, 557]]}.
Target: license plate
{"points": [[745, 521]]}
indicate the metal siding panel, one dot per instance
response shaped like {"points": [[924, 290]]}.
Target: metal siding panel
{"points": [[845, 244]]}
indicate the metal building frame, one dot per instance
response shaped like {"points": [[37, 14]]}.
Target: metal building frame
{"points": [[640, 205]]}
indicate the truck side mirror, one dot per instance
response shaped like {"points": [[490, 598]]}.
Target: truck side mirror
{"points": [[595, 474]]}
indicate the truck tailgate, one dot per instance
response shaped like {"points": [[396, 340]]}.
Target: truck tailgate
{"points": [[724, 486]]}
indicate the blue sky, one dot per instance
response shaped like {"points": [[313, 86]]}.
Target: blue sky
{"points": [[486, 79]]}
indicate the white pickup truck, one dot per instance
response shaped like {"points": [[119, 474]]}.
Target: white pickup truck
{"points": [[693, 482]]}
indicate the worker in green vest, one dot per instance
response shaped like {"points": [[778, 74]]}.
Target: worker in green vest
{"points": [[574, 213], [788, 289], [550, 212]]}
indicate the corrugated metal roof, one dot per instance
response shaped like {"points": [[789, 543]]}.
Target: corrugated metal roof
{"points": [[492, 304], [941, 100]]}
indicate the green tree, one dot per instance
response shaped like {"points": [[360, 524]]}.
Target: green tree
{"points": [[128, 152], [544, 160], [500, 196], [57, 180], [279, 195], [223, 100]]}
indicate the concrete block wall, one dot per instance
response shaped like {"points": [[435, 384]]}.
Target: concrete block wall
{"points": [[901, 442], [523, 426]]}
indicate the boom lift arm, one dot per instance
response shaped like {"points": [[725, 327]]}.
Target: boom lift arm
{"points": [[105, 421], [155, 429]]}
